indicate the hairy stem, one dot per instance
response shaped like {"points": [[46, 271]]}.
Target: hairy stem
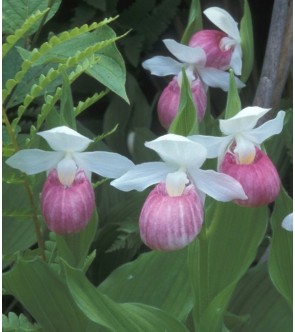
{"points": [[278, 57], [28, 189]]}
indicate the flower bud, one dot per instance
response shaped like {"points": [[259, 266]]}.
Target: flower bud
{"points": [[259, 179], [217, 46], [67, 209], [169, 101], [170, 222]]}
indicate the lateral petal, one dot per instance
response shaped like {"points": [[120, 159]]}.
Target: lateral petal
{"points": [[142, 176], [186, 54], [108, 164], [162, 66], [65, 139], [245, 120], [268, 128], [224, 21], [178, 150], [34, 161], [217, 78], [221, 187]]}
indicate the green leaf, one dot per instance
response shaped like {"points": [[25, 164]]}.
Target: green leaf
{"points": [[16, 12], [185, 122], [194, 21], [233, 104], [280, 263], [66, 104], [220, 256], [116, 317], [255, 296], [45, 296], [135, 282], [247, 43], [74, 248]]}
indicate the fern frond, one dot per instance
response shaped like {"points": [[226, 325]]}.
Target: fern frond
{"points": [[20, 323], [19, 33], [52, 74], [36, 54], [83, 105]]}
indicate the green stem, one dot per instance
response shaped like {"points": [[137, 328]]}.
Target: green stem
{"points": [[28, 189]]}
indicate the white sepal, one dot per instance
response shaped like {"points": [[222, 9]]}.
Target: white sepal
{"points": [[186, 54], [65, 139], [34, 161], [245, 120], [162, 66], [108, 164], [236, 60], [142, 176], [220, 186], [224, 21], [178, 150], [215, 145]]}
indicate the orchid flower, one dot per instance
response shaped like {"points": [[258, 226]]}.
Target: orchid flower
{"points": [[193, 60], [173, 212], [239, 154], [182, 159], [287, 223], [223, 49], [67, 198]]}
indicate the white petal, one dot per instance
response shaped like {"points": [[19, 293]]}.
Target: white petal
{"points": [[65, 139], [268, 128], [245, 120], [34, 161], [175, 183], [108, 164], [142, 176], [215, 145], [186, 54], [220, 186], [224, 21], [236, 60], [162, 66], [245, 150], [217, 78], [178, 150], [288, 222], [66, 171]]}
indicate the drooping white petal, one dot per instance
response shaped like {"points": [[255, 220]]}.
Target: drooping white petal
{"points": [[268, 128], [66, 171], [175, 183], [288, 222], [245, 150], [236, 60], [65, 139], [142, 176], [34, 161], [162, 66], [186, 54], [108, 164], [221, 187], [245, 120], [214, 145], [217, 78], [224, 21], [178, 150]]}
